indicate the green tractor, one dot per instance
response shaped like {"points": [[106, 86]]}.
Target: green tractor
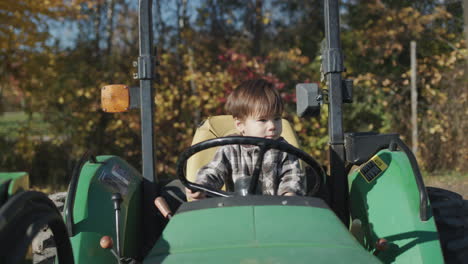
{"points": [[372, 206]]}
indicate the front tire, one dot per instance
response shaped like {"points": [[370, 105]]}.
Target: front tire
{"points": [[23, 216]]}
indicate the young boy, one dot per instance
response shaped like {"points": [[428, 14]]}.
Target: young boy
{"points": [[257, 108]]}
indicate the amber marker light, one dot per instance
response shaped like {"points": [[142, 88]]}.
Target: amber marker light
{"points": [[115, 98]]}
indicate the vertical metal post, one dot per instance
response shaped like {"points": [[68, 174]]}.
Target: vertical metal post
{"points": [[414, 101], [146, 76], [333, 66]]}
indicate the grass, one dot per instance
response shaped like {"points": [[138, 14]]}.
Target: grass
{"points": [[12, 122], [50, 189], [448, 174], [450, 180]]}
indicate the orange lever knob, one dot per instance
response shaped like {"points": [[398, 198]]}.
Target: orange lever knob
{"points": [[381, 244], [106, 242], [162, 206]]}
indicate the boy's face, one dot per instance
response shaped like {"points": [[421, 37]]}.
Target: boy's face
{"points": [[263, 127]]}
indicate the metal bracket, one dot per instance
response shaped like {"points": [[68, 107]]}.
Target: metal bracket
{"points": [[347, 88], [324, 97], [332, 61], [145, 68], [134, 97]]}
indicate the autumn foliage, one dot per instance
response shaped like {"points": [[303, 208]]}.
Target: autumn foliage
{"points": [[203, 53]]}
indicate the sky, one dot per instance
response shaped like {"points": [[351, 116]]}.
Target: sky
{"points": [[66, 32]]}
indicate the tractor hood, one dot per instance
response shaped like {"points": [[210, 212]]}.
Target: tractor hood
{"points": [[257, 229]]}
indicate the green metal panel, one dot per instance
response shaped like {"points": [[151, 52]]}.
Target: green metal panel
{"points": [[257, 234], [388, 207], [11, 183], [94, 214]]}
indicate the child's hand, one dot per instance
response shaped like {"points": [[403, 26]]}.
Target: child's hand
{"points": [[289, 194], [194, 196]]}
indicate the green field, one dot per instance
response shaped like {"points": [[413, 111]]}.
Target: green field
{"points": [[12, 123]]}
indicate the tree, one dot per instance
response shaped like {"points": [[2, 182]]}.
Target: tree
{"points": [[378, 38]]}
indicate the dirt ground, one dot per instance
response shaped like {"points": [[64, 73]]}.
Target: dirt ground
{"points": [[455, 183]]}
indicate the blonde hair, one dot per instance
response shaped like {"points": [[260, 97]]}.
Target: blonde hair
{"points": [[254, 98]]}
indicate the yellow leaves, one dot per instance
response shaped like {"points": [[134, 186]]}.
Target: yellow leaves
{"points": [[190, 76], [298, 127], [440, 12], [436, 77], [165, 57], [89, 125], [439, 60], [386, 82], [205, 96], [317, 153], [293, 55], [443, 98], [26, 20], [435, 129], [116, 125], [443, 138], [451, 60], [391, 32]]}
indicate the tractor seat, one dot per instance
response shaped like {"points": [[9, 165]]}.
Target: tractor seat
{"points": [[221, 126]]}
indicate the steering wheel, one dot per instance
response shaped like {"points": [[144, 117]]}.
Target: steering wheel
{"points": [[263, 143]]}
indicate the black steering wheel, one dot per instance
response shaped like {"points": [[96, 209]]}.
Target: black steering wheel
{"points": [[263, 143]]}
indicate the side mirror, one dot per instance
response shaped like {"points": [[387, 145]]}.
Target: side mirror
{"points": [[308, 99], [117, 98]]}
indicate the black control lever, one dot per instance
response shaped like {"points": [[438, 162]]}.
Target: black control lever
{"points": [[106, 241], [117, 199]]}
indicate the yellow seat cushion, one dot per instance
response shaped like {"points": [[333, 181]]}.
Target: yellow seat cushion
{"points": [[221, 126]]}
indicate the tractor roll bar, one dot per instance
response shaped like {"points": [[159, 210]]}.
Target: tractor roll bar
{"points": [[332, 66], [146, 76]]}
